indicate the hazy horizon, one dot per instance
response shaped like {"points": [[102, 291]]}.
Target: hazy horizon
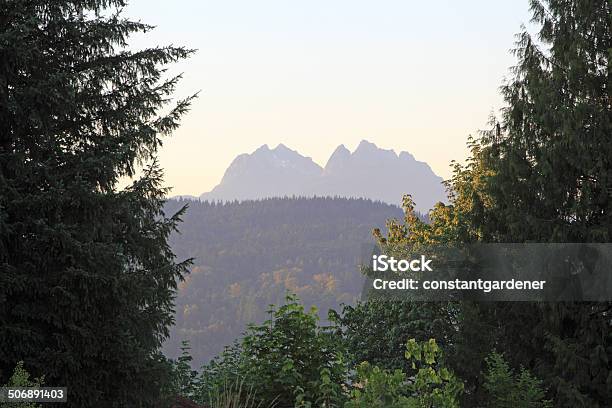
{"points": [[406, 76]]}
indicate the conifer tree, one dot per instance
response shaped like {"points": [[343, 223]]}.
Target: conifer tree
{"points": [[543, 173], [87, 278], [550, 180]]}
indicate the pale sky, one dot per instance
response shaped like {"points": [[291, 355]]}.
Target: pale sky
{"points": [[406, 75]]}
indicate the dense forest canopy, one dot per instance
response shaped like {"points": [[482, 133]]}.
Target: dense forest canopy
{"points": [[248, 255]]}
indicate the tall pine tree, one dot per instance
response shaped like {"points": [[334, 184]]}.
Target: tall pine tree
{"points": [[87, 278]]}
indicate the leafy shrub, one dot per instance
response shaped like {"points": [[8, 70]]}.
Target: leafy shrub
{"points": [[289, 361], [378, 388], [432, 385]]}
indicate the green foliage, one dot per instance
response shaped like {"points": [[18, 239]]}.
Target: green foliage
{"points": [[235, 395], [551, 182], [87, 278], [221, 373], [432, 384], [21, 378], [183, 378], [378, 388], [375, 331], [509, 390], [289, 360]]}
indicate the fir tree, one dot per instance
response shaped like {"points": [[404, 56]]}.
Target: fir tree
{"points": [[551, 181], [87, 279], [541, 174]]}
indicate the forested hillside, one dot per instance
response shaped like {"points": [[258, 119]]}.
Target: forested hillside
{"points": [[247, 255]]}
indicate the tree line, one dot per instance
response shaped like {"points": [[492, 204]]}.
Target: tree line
{"points": [[247, 255]]}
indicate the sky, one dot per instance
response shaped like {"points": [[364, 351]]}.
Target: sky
{"points": [[414, 76]]}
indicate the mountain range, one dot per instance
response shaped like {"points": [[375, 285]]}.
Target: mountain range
{"points": [[368, 172]]}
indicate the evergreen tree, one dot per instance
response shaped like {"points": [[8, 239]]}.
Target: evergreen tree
{"points": [[87, 279], [541, 174], [21, 378], [184, 378], [507, 389], [550, 180]]}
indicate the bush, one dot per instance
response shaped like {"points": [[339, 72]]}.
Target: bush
{"points": [[432, 385], [289, 361]]}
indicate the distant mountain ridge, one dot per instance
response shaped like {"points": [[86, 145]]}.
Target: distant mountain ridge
{"points": [[368, 172]]}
